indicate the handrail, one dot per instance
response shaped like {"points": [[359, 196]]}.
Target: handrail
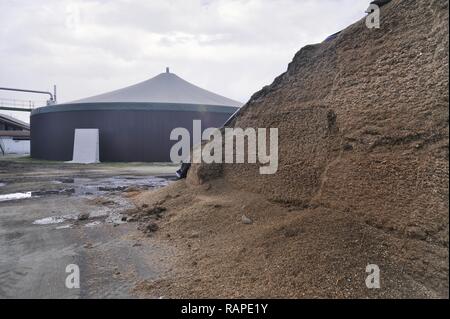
{"points": [[29, 91], [17, 109]]}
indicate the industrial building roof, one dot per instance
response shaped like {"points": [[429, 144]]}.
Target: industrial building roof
{"points": [[164, 88], [18, 124]]}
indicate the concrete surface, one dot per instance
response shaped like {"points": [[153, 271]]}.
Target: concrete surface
{"points": [[41, 235]]}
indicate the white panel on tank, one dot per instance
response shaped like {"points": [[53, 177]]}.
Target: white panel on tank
{"points": [[86, 146]]}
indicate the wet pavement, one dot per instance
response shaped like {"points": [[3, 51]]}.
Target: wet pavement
{"points": [[54, 215], [89, 186]]}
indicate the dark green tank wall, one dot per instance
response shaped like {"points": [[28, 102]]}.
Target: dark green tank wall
{"points": [[133, 132]]}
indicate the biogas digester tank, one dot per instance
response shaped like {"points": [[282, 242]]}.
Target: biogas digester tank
{"points": [[134, 122]]}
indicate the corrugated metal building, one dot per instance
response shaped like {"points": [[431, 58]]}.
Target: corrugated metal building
{"points": [[134, 122]]}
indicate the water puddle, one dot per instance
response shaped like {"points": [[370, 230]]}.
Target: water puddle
{"points": [[98, 186], [49, 220], [114, 218], [88, 186], [94, 218], [64, 226], [55, 219], [93, 224], [111, 205], [14, 196], [23, 195]]}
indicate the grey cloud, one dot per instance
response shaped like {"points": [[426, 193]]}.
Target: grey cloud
{"points": [[230, 47]]}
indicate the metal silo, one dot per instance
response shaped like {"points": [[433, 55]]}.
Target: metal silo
{"points": [[134, 122]]}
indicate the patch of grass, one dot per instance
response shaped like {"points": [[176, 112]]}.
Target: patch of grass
{"points": [[29, 160]]}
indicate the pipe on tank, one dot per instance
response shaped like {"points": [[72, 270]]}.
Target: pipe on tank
{"points": [[52, 97]]}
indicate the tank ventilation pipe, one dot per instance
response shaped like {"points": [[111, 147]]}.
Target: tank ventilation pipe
{"points": [[54, 94]]}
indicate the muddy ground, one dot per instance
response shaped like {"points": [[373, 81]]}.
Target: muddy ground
{"points": [[54, 214]]}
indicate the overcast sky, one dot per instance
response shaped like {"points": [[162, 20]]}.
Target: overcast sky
{"points": [[232, 48]]}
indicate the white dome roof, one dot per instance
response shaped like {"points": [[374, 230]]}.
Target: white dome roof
{"points": [[164, 88]]}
